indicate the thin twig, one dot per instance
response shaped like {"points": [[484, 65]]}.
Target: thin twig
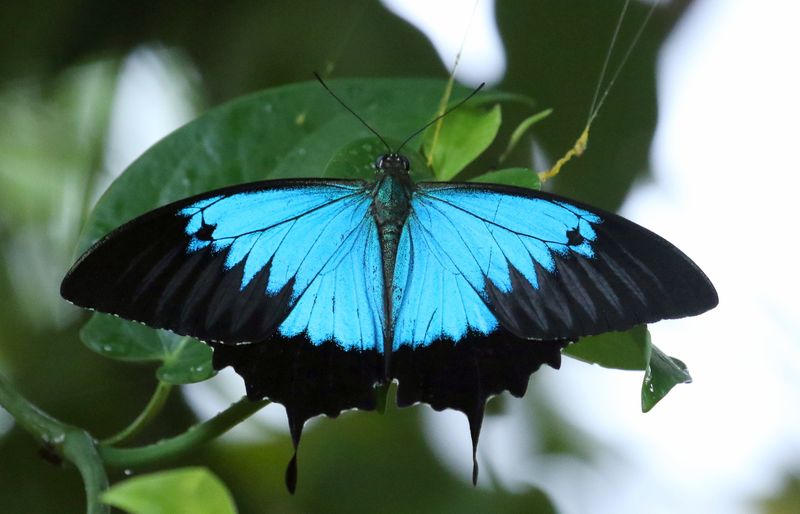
{"points": [[150, 411], [183, 443]]}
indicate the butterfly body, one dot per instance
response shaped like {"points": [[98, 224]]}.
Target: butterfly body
{"points": [[316, 291], [391, 205]]}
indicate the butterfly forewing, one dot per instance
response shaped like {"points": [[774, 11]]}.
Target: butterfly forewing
{"points": [[235, 265], [290, 269], [545, 267]]}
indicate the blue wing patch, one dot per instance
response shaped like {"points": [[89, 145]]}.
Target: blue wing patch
{"points": [[432, 297], [544, 267], [496, 229], [320, 240], [343, 302], [459, 239]]}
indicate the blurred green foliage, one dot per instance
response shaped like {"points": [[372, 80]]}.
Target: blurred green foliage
{"points": [[58, 67], [179, 491], [786, 501]]}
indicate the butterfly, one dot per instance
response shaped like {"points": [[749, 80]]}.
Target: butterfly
{"points": [[320, 291]]}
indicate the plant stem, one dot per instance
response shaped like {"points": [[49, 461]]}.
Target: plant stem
{"points": [[81, 449], [187, 441], [152, 409], [71, 443]]}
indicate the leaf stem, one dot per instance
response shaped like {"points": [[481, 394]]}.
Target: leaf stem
{"points": [[73, 444], [520, 131], [150, 411], [187, 441]]}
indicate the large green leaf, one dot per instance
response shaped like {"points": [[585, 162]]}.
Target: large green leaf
{"points": [[291, 131], [183, 359], [180, 491]]}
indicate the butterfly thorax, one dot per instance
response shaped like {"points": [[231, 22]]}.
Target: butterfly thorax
{"points": [[391, 204], [391, 197]]}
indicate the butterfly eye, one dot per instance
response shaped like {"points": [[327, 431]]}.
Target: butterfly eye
{"points": [[404, 162], [379, 162]]}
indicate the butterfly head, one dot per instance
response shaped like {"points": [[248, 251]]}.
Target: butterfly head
{"points": [[393, 164]]}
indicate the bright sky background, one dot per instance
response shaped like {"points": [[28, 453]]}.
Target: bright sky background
{"points": [[723, 190]]}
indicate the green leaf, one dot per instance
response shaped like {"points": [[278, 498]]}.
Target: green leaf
{"points": [[523, 127], [181, 491], [493, 97], [633, 350], [464, 135], [520, 177], [628, 350], [183, 359], [290, 131], [662, 374]]}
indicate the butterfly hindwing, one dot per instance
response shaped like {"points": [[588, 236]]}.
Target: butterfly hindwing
{"points": [[464, 374]]}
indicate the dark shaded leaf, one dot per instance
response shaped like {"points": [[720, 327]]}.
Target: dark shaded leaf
{"points": [[357, 161], [520, 177], [183, 359]]}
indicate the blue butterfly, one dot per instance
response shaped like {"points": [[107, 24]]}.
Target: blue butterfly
{"points": [[318, 291]]}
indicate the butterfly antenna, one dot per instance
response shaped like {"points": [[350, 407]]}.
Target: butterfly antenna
{"points": [[351, 111], [445, 113]]}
